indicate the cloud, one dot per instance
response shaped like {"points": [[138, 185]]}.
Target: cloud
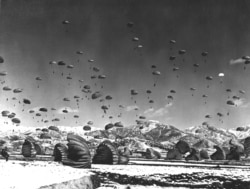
{"points": [[69, 109], [241, 103], [148, 110], [131, 108], [159, 112], [237, 61]]}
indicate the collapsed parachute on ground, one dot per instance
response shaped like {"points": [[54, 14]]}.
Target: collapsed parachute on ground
{"points": [[28, 148], [77, 155], [106, 153], [60, 152]]}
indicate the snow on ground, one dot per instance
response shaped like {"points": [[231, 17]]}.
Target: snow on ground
{"points": [[32, 175], [138, 170]]}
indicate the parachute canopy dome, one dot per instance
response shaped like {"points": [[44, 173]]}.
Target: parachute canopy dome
{"points": [[16, 120], [109, 126], [86, 128], [18, 90], [26, 101], [204, 53], [118, 124], [96, 95], [53, 128], [43, 109], [78, 152], [3, 73], [230, 102], [130, 24], [65, 22], [1, 60]]}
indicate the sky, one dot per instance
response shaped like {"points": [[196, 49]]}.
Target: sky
{"points": [[32, 34]]}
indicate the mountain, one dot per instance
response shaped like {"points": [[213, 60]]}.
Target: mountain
{"points": [[139, 137]]}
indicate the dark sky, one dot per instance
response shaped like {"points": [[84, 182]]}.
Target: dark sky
{"points": [[32, 35]]}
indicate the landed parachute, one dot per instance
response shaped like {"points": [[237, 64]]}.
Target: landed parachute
{"points": [[78, 154], [106, 153]]}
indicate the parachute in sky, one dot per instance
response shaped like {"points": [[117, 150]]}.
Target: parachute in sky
{"points": [[156, 74]]}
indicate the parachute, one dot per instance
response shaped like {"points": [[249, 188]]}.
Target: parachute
{"points": [[204, 53], [101, 76], [135, 39], [172, 91], [70, 66], [182, 51], [130, 24], [78, 154], [79, 52], [60, 152], [193, 89], [96, 69], [247, 146], [156, 73], [104, 108], [209, 78], [28, 148], [18, 90], [26, 101], [109, 126], [219, 154], [172, 58], [7, 88], [242, 92], [208, 116], [142, 117], [152, 154], [86, 128], [106, 153], [182, 146], [96, 95], [53, 128], [108, 97], [43, 109], [230, 102], [3, 73], [65, 22], [90, 122], [133, 93], [118, 124], [1, 60], [5, 113], [66, 99], [171, 43]]}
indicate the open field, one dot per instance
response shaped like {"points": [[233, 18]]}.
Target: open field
{"points": [[138, 174]]}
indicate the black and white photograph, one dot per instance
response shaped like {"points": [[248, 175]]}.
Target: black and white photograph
{"points": [[124, 94]]}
